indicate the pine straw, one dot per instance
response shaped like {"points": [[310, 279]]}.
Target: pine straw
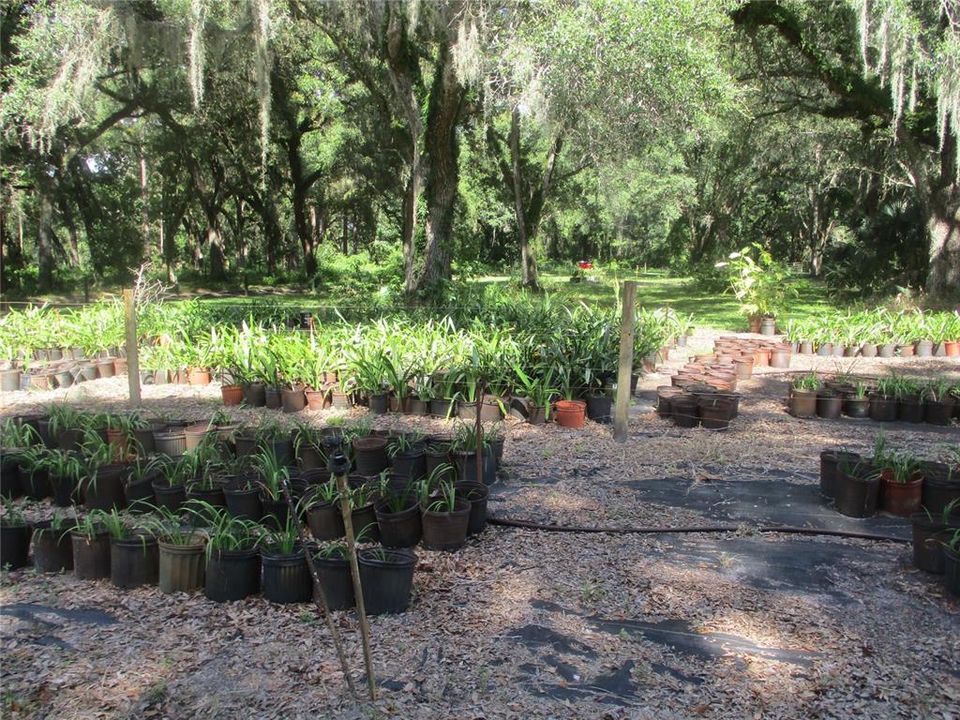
{"points": [[882, 643]]}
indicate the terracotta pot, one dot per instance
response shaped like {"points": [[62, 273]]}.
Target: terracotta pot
{"points": [[868, 350], [316, 399], [951, 348], [293, 400], [907, 350], [197, 376], [570, 413], [231, 394], [803, 403], [780, 357], [902, 499], [120, 366]]}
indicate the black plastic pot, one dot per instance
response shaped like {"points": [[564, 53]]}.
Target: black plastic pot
{"points": [[134, 561], [364, 520], [446, 530], [10, 482], [255, 394], [857, 493], [91, 556], [857, 407], [232, 575], [929, 534], [335, 579], [411, 464], [716, 410], [437, 456], [465, 463], [311, 459], [14, 545], [477, 494], [938, 412], [214, 496], [443, 407], [171, 497], [399, 529], [378, 403], [685, 411], [286, 577], [600, 408], [370, 455], [105, 490], [52, 549], [387, 579], [244, 502], [69, 440], [272, 398], [181, 567], [951, 571], [325, 521], [275, 512], [139, 495], [829, 462], [910, 409], [34, 483], [489, 410], [63, 490], [940, 488], [883, 408], [245, 445], [829, 406]]}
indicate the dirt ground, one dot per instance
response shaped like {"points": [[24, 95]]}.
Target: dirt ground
{"points": [[547, 624]]}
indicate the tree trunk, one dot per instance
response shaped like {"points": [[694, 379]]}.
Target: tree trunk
{"points": [[943, 226], [408, 231], [528, 259], [215, 250], [144, 214], [44, 238], [304, 231], [443, 114]]}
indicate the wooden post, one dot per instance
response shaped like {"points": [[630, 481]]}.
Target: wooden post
{"points": [[344, 488], [133, 360], [625, 367]]}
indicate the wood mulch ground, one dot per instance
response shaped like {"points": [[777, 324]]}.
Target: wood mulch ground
{"points": [[536, 624]]}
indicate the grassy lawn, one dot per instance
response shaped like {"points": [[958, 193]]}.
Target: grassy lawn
{"points": [[656, 289]]}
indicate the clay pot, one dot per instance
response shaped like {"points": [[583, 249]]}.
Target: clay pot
{"points": [[198, 376], [231, 394], [570, 413]]}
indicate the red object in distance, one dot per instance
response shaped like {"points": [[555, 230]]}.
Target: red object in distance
{"points": [[584, 265]]}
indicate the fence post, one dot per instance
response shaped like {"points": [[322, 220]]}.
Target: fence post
{"points": [[133, 360], [625, 367]]}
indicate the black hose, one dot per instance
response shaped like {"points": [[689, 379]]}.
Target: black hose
{"points": [[785, 529]]}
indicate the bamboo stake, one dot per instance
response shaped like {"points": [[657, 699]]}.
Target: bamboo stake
{"points": [[339, 466], [319, 596], [478, 432]]}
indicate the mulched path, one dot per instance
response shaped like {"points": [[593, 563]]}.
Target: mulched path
{"points": [[542, 624]]}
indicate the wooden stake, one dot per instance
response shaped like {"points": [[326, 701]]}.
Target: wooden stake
{"points": [[133, 360], [625, 367], [478, 432], [319, 596], [344, 489]]}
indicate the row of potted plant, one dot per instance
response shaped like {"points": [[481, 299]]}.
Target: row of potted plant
{"points": [[697, 404], [902, 484], [877, 333], [887, 399]]}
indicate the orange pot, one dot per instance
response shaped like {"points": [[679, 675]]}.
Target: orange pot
{"points": [[231, 394], [198, 377], [119, 366], [118, 441], [570, 413], [952, 348]]}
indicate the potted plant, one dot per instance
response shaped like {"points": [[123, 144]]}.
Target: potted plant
{"points": [[909, 405], [182, 558], [463, 449], [829, 403], [52, 549], [285, 574], [91, 547], [370, 455], [133, 552], [398, 514], [829, 462], [857, 488], [883, 400], [14, 537], [101, 483], [233, 562], [938, 403], [169, 485], [857, 403], [321, 507], [803, 395], [272, 477], [951, 564], [445, 519], [761, 286], [902, 483], [408, 455], [386, 575], [333, 571], [929, 534], [476, 494], [538, 391]]}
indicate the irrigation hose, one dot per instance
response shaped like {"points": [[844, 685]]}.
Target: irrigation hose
{"points": [[784, 529]]}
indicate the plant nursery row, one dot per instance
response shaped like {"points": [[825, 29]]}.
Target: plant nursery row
{"points": [[208, 505], [902, 484], [885, 399], [878, 333]]}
